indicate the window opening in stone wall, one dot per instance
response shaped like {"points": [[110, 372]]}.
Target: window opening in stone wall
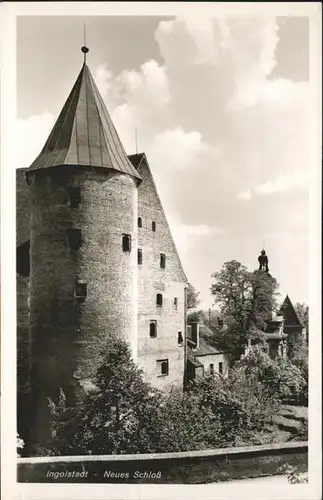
{"points": [[126, 242], [180, 338], [175, 303], [23, 259], [221, 367], [139, 222], [139, 259], [74, 237], [80, 291], [159, 299], [75, 196], [162, 260], [153, 328], [212, 368], [153, 226], [163, 366]]}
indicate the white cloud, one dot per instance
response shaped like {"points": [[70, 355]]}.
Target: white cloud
{"points": [[217, 129], [284, 183], [244, 195], [179, 150], [32, 134]]}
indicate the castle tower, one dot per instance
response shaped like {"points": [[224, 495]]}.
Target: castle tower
{"points": [[83, 250]]}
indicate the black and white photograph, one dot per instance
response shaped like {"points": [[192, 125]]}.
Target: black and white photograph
{"points": [[164, 271]]}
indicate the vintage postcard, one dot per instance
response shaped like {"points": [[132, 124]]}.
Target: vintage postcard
{"points": [[160, 238]]}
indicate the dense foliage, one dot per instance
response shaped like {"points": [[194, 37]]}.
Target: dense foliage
{"points": [[246, 300], [126, 415], [192, 297]]}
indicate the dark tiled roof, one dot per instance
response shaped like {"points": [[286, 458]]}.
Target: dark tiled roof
{"points": [[205, 348], [195, 362], [288, 311], [136, 159], [84, 134]]}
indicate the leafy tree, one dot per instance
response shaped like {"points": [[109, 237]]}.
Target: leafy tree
{"points": [[280, 377], [302, 311], [246, 299], [192, 297], [126, 415]]}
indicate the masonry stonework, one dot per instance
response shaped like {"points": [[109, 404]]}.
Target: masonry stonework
{"points": [[85, 282], [68, 336], [153, 279]]}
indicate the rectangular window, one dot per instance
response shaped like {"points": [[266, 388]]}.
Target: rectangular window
{"points": [[74, 237], [175, 303], [139, 222], [159, 299], [212, 368], [139, 256], [80, 291], [221, 367], [126, 242], [74, 196], [153, 226], [180, 338], [162, 260], [162, 366], [153, 328]]}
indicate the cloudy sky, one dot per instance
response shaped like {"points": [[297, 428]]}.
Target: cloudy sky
{"points": [[221, 108]]}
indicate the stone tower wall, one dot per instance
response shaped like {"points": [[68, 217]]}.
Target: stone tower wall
{"points": [[67, 336]]}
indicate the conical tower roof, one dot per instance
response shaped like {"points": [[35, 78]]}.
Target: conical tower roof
{"points": [[84, 134]]}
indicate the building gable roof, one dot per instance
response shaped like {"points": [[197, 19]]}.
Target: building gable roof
{"points": [[84, 134], [288, 311], [140, 162]]}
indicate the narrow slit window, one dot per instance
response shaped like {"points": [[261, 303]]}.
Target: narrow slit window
{"points": [[126, 242], [175, 303], [23, 259], [139, 259], [163, 368], [80, 291], [74, 196], [159, 299], [162, 260], [74, 237], [212, 368], [153, 329], [221, 367], [153, 226], [180, 338], [139, 222]]}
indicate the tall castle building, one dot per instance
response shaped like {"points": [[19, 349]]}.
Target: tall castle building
{"points": [[95, 258]]}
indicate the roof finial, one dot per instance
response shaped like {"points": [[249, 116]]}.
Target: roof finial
{"points": [[84, 49]]}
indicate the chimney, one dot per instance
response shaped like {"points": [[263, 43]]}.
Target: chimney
{"points": [[196, 333]]}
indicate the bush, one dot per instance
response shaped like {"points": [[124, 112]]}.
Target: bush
{"points": [[280, 377], [126, 415]]}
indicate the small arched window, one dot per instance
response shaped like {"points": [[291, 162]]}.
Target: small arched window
{"points": [[74, 196], [159, 299], [126, 242], [139, 222], [74, 237], [23, 259], [162, 261], [153, 328], [139, 259], [80, 291], [153, 226], [180, 338]]}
